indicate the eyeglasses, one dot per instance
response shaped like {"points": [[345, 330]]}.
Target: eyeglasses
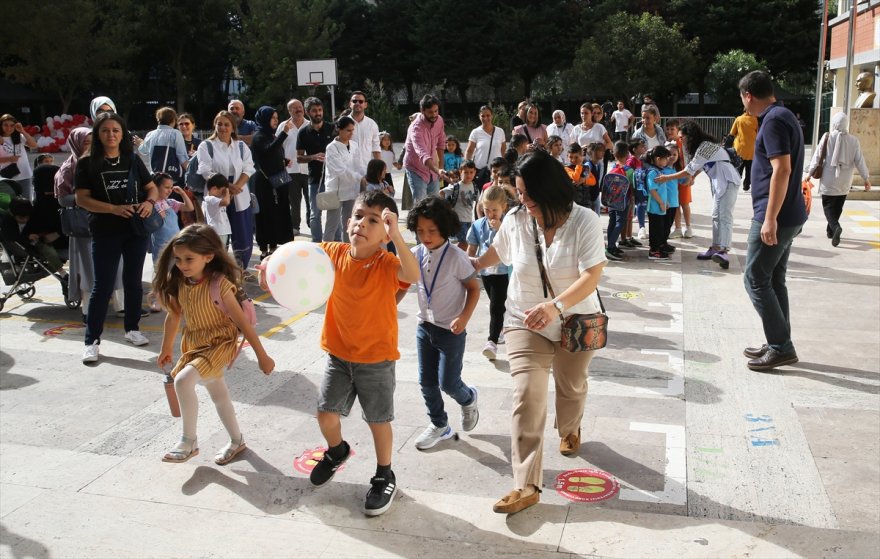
{"points": [[358, 101]]}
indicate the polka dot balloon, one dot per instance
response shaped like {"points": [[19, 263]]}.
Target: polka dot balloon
{"points": [[300, 276]]}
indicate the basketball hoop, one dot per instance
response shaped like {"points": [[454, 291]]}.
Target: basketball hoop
{"points": [[313, 84]]}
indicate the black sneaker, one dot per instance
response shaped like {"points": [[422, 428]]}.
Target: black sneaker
{"points": [[326, 468], [381, 494], [667, 248], [634, 243]]}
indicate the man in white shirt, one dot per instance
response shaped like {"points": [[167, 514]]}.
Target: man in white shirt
{"points": [[298, 188], [623, 122], [366, 131], [560, 128]]}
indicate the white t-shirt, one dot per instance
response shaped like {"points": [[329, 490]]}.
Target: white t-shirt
{"points": [[24, 167], [621, 120], [584, 137], [464, 204], [577, 246], [290, 147], [230, 160], [481, 138], [215, 215], [564, 132], [366, 134]]}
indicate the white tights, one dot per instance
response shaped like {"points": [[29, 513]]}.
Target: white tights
{"points": [[185, 385]]}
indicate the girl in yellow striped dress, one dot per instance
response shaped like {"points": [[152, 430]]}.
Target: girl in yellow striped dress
{"points": [[182, 281]]}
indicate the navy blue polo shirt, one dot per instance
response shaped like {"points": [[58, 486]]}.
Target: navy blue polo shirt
{"points": [[247, 127], [779, 133], [315, 141]]}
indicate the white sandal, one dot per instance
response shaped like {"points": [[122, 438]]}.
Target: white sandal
{"points": [[230, 451], [182, 451]]}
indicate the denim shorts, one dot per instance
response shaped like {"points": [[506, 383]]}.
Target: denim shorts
{"points": [[372, 383]]}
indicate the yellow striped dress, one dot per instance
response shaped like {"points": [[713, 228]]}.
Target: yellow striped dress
{"points": [[209, 335]]}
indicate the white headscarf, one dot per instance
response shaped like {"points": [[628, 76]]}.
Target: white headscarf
{"points": [[844, 153], [96, 104]]}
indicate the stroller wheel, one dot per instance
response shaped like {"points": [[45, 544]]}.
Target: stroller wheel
{"points": [[28, 293], [72, 304]]}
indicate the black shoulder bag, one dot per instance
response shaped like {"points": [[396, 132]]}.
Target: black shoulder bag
{"points": [[141, 226], [580, 332]]}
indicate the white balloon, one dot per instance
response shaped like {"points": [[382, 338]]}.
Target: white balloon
{"points": [[300, 276]]}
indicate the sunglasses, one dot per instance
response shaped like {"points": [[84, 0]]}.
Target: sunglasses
{"points": [[359, 101]]}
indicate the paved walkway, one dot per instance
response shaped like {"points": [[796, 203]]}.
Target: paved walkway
{"points": [[703, 457]]}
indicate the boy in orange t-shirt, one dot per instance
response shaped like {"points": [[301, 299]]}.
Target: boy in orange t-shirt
{"points": [[360, 338]]}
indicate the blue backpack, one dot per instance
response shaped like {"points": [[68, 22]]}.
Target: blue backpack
{"points": [[640, 179], [615, 189]]}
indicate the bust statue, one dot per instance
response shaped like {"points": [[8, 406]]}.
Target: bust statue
{"points": [[867, 95]]}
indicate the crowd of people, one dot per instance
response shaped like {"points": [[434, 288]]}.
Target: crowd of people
{"points": [[519, 216]]}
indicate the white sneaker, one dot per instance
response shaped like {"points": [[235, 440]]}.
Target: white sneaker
{"points": [[136, 338], [490, 350], [500, 338], [676, 234], [470, 414], [433, 435], [688, 233], [642, 235], [90, 354]]}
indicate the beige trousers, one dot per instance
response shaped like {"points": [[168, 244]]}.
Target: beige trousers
{"points": [[531, 356]]}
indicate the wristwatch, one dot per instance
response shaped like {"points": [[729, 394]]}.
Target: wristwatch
{"points": [[559, 306]]}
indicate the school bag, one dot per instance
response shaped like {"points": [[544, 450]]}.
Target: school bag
{"points": [[640, 180], [735, 159], [247, 307], [194, 180], [163, 159], [615, 189], [456, 189]]}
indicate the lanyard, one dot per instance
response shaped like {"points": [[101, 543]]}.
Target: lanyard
{"points": [[428, 291]]}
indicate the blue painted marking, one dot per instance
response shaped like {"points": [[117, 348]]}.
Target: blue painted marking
{"points": [[761, 429], [765, 442], [762, 418]]}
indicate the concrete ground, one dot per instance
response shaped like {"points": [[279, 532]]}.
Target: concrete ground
{"points": [[694, 455]]}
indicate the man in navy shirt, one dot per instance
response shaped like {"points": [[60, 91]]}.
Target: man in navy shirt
{"points": [[779, 215], [246, 128]]}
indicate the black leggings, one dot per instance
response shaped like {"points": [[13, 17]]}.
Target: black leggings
{"points": [[496, 289]]}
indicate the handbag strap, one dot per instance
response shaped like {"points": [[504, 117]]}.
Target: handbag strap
{"points": [[131, 186], [824, 151], [545, 280], [489, 153]]}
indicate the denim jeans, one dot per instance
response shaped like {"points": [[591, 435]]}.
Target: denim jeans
{"points": [[616, 219], [440, 360], [764, 278], [106, 252], [336, 225], [242, 226], [722, 215], [420, 188], [641, 210], [316, 186]]}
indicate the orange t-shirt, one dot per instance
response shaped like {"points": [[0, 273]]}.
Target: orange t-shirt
{"points": [[360, 324]]}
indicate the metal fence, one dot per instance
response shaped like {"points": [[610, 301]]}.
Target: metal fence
{"points": [[718, 126]]}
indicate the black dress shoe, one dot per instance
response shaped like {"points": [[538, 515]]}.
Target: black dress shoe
{"points": [[755, 352], [835, 238], [772, 359]]}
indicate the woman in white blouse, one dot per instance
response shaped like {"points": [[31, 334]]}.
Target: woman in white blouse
{"points": [[344, 174], [572, 251], [225, 154], [485, 143]]}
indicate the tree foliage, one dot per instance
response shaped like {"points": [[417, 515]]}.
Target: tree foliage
{"points": [[635, 54], [724, 75]]}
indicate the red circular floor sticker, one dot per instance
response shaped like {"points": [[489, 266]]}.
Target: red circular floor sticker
{"points": [[587, 486], [306, 462]]}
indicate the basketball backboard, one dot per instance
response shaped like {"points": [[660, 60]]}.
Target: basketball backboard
{"points": [[310, 72]]}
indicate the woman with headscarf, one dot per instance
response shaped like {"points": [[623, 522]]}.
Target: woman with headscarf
{"points": [[842, 157], [101, 105], [273, 222]]}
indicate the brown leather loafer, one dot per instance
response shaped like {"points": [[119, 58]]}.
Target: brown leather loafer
{"points": [[756, 352], [772, 359], [570, 443], [514, 502]]}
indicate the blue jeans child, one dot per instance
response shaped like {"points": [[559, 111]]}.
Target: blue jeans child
{"points": [[440, 362]]}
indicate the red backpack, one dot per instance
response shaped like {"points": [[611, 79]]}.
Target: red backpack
{"points": [[247, 307]]}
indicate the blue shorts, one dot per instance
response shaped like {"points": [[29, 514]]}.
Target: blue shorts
{"points": [[372, 383]]}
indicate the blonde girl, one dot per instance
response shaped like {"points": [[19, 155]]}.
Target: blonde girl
{"points": [[186, 268], [495, 278]]}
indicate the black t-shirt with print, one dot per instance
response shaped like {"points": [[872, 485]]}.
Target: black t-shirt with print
{"points": [[109, 183]]}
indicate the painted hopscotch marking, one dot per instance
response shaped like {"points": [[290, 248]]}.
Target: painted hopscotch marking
{"points": [[675, 284], [674, 490], [763, 428], [675, 385], [676, 325]]}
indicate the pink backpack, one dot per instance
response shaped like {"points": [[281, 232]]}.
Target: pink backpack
{"points": [[247, 307]]}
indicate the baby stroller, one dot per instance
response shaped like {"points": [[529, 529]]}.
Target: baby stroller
{"points": [[21, 266]]}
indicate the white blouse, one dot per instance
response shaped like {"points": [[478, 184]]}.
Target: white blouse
{"points": [[229, 160], [341, 169], [577, 246]]}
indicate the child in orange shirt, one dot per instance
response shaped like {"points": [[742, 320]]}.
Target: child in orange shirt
{"points": [[580, 175], [360, 361]]}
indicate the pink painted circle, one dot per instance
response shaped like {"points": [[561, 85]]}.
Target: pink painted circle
{"points": [[586, 486], [306, 462]]}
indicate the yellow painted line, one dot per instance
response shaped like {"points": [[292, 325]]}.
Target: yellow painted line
{"points": [[855, 212], [262, 297], [275, 329], [875, 245], [118, 325]]}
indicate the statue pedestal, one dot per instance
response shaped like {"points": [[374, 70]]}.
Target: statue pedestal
{"points": [[865, 125]]}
